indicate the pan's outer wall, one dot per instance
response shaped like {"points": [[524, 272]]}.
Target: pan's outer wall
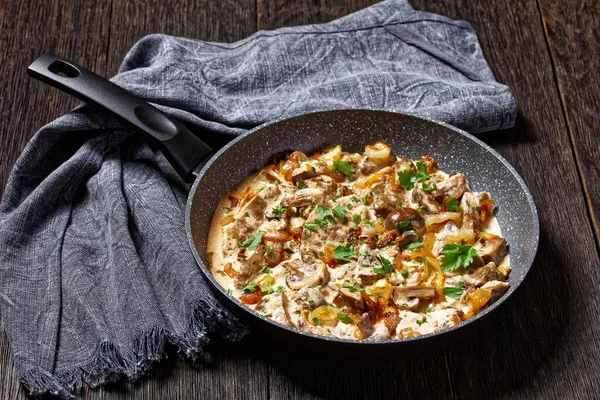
{"points": [[408, 136]]}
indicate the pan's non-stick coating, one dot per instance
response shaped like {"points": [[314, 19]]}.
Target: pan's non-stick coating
{"points": [[408, 136]]}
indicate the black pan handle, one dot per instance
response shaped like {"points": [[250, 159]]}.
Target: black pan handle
{"points": [[183, 149]]}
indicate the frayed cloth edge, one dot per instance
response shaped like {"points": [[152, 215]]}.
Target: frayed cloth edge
{"points": [[109, 365]]}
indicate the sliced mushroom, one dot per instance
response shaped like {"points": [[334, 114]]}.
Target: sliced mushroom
{"points": [[305, 171], [494, 250], [365, 326], [425, 199], [308, 298], [304, 197], [453, 187], [351, 299], [273, 306], [407, 297], [482, 275], [470, 210], [250, 265], [497, 288], [323, 183], [305, 273]]}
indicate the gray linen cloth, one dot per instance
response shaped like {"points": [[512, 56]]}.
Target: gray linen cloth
{"points": [[95, 271]]}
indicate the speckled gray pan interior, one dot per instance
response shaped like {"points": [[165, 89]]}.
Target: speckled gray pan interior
{"points": [[408, 136]]}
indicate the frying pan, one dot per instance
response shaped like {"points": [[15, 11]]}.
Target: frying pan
{"points": [[214, 176]]}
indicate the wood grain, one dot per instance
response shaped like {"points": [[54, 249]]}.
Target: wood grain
{"points": [[543, 344], [573, 34], [28, 28]]}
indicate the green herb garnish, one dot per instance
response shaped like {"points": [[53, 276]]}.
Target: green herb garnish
{"points": [[253, 241], [338, 211], [344, 167], [404, 273], [260, 189], [310, 225], [355, 199], [353, 286], [228, 209], [278, 211], [266, 270], [408, 178], [344, 253], [454, 291], [421, 321], [457, 256], [345, 318], [388, 267], [250, 287], [338, 194], [300, 184], [280, 289], [452, 205], [317, 321], [412, 246], [356, 218], [428, 188]]}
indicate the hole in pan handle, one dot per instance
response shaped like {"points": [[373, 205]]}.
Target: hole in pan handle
{"points": [[183, 149]]}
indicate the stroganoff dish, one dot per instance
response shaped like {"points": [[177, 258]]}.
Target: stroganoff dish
{"points": [[359, 246]]}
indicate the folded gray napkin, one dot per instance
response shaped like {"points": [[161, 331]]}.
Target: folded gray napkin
{"points": [[95, 271]]}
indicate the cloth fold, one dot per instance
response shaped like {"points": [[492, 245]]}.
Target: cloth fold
{"points": [[96, 275]]}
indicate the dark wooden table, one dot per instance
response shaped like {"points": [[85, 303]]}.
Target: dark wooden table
{"points": [[545, 343]]}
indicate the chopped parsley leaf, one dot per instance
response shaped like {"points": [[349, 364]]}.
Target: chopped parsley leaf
{"points": [[412, 246], [356, 218], [317, 321], [349, 206], [250, 287], [310, 225], [402, 225], [280, 289], [338, 211], [266, 270], [355, 199], [345, 318], [353, 286], [269, 289], [253, 241], [366, 199], [388, 267], [229, 291], [278, 211], [228, 209], [344, 253], [452, 205], [421, 321], [422, 174], [454, 291], [260, 189], [312, 303], [301, 185], [428, 188], [246, 214], [338, 194], [287, 246], [420, 209], [269, 250], [404, 273], [429, 309], [344, 167], [408, 178], [399, 204], [457, 256]]}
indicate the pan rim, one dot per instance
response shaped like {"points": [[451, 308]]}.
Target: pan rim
{"points": [[206, 271]]}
